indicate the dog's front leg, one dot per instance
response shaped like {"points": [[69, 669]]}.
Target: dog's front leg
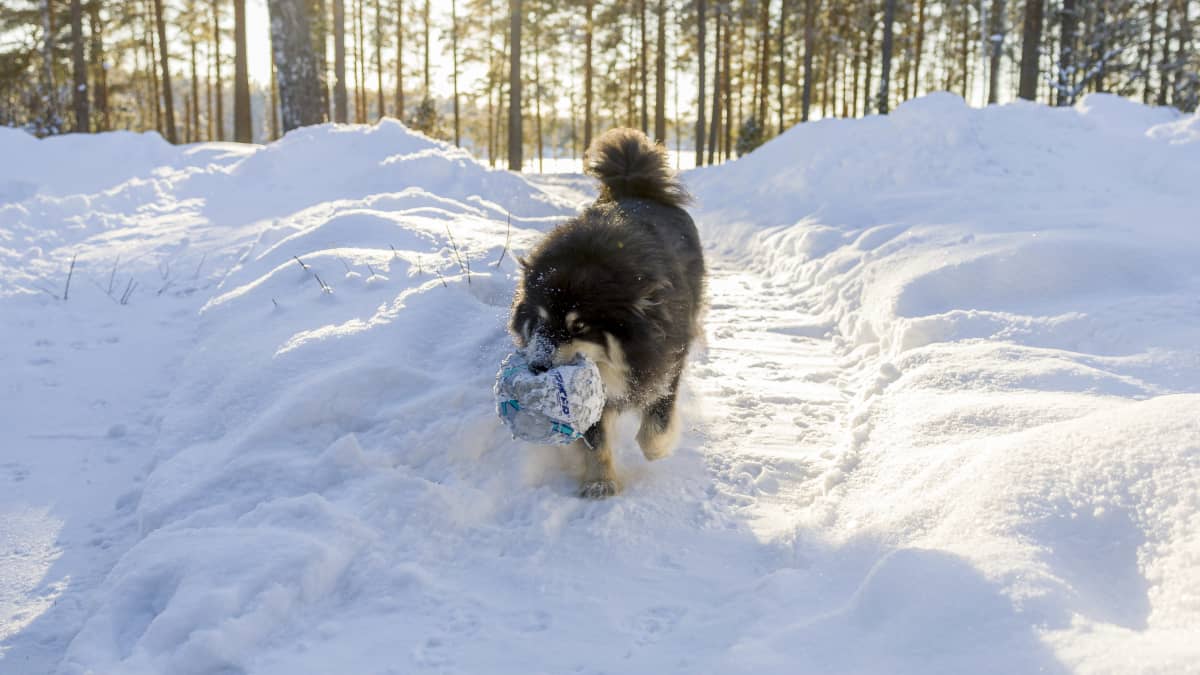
{"points": [[599, 476]]}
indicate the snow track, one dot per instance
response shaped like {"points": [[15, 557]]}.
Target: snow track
{"points": [[772, 397]]}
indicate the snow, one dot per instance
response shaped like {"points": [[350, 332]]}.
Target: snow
{"points": [[944, 418]]}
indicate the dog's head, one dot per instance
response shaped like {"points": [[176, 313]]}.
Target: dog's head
{"points": [[569, 306]]}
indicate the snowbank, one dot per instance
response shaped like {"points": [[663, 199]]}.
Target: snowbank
{"points": [[1016, 290]]}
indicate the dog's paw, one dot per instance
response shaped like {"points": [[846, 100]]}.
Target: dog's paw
{"points": [[598, 489], [657, 442]]}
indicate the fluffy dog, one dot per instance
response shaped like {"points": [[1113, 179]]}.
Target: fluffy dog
{"points": [[621, 283]]}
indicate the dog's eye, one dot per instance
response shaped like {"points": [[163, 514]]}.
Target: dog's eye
{"points": [[579, 328]]}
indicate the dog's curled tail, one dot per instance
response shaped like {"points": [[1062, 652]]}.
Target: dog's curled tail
{"points": [[629, 165]]}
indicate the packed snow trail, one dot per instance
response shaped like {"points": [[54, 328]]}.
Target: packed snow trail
{"points": [[770, 397], [932, 429]]}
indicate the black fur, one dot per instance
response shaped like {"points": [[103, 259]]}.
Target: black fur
{"points": [[631, 266]]}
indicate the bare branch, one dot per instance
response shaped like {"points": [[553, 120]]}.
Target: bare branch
{"points": [[70, 273], [465, 268], [507, 237], [113, 277]]}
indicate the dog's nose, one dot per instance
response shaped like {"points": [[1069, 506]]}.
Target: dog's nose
{"points": [[540, 354]]}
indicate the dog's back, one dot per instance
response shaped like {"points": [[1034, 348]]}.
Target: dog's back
{"points": [[636, 179]]}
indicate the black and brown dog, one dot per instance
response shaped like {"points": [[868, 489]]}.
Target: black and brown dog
{"points": [[623, 284]]}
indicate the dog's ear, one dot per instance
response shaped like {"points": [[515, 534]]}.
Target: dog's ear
{"points": [[523, 262]]}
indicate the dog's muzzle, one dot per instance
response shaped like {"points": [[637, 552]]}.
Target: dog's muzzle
{"points": [[540, 353]]}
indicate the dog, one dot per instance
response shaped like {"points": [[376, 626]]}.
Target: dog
{"points": [[623, 284]]}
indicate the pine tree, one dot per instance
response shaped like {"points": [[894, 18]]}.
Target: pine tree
{"points": [[700, 57], [168, 95], [242, 130], [515, 140], [1031, 41], [295, 63], [889, 18], [79, 68], [660, 74]]}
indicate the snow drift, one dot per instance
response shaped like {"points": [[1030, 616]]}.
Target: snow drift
{"points": [[998, 306]]}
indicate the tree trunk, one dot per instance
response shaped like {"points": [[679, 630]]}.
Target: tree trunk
{"points": [[1184, 40], [587, 74], [360, 67], [536, 22], [644, 67], [291, 44], [700, 26], [825, 60], [515, 140], [208, 100], [195, 93], [870, 65], [219, 122], [341, 107], [400, 59], [428, 86], [965, 54], [1031, 43], [764, 78], [1066, 60], [810, 11], [379, 59], [242, 131], [79, 93], [52, 122], [782, 57], [919, 48], [168, 98], [99, 73], [726, 93], [319, 21], [1149, 53], [889, 18], [492, 85], [501, 109], [454, 78], [715, 127], [631, 96], [856, 67], [273, 104], [1163, 75], [660, 76], [997, 45], [155, 93]]}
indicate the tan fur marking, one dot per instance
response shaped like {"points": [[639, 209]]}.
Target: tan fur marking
{"points": [[614, 372], [656, 444], [598, 462]]}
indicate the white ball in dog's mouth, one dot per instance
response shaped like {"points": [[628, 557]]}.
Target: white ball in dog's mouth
{"points": [[553, 407]]}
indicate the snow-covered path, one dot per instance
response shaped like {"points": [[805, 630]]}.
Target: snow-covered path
{"points": [[771, 396]]}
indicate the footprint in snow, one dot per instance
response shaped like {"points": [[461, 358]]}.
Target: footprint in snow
{"points": [[653, 623], [533, 621], [16, 472], [431, 652]]}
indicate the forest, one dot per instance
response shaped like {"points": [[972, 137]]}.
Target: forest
{"points": [[524, 81]]}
